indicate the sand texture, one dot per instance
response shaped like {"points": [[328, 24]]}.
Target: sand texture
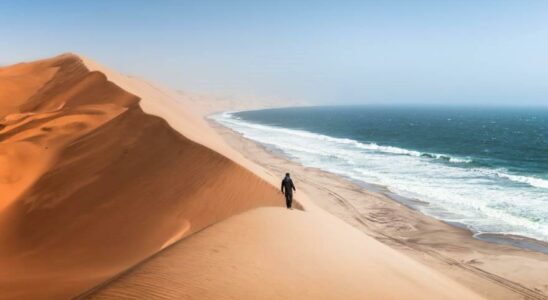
{"points": [[269, 253]]}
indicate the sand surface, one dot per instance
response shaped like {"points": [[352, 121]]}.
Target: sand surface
{"points": [[271, 253]]}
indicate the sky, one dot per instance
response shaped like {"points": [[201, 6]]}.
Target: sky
{"points": [[328, 52]]}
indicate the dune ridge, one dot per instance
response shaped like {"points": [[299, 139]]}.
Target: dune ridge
{"points": [[91, 184]]}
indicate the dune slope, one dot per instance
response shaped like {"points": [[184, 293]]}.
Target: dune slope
{"points": [[269, 253], [91, 184]]}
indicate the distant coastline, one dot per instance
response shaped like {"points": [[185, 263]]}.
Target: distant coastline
{"points": [[518, 241]]}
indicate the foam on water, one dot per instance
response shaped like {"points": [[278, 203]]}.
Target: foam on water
{"points": [[485, 200]]}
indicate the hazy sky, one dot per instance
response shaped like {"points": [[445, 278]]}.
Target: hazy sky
{"points": [[489, 52]]}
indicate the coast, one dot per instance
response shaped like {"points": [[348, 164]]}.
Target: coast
{"points": [[269, 252], [495, 270], [115, 187]]}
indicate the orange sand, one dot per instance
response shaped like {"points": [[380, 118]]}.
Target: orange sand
{"points": [[92, 185]]}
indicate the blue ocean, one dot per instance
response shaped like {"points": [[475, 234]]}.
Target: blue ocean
{"points": [[484, 168]]}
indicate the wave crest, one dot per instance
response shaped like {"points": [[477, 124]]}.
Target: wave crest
{"points": [[532, 181], [227, 116]]}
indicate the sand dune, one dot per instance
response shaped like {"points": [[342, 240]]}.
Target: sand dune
{"points": [[91, 184], [100, 171]]}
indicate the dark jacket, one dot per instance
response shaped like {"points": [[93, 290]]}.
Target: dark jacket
{"points": [[287, 185]]}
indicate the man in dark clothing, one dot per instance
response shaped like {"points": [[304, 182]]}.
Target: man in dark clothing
{"points": [[287, 188]]}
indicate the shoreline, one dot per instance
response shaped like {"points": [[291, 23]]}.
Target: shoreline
{"points": [[516, 240], [450, 248]]}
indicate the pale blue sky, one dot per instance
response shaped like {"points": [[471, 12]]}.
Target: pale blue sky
{"points": [[450, 52]]}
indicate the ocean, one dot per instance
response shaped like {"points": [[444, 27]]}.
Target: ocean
{"points": [[483, 168]]}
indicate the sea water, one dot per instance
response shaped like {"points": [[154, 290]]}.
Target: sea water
{"points": [[485, 168]]}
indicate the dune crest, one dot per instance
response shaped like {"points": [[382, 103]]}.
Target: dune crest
{"points": [[91, 184], [21, 81]]}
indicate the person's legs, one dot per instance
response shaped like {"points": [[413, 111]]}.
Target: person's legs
{"points": [[288, 199]]}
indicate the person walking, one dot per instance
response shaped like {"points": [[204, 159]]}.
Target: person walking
{"points": [[287, 188]]}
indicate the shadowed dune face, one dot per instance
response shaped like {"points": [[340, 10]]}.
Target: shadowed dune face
{"points": [[91, 185]]}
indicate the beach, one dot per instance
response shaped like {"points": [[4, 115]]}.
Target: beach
{"points": [[494, 270], [116, 187]]}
